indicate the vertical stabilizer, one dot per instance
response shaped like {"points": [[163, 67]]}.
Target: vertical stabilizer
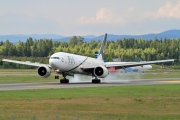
{"points": [[101, 51]]}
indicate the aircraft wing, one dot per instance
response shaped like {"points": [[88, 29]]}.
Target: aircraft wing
{"points": [[120, 65], [126, 65], [25, 63]]}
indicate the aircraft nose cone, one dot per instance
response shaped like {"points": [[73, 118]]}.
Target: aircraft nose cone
{"points": [[52, 64]]}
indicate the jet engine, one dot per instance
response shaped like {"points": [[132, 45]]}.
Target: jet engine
{"points": [[101, 71], [44, 71]]}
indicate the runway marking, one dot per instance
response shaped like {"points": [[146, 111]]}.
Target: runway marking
{"points": [[173, 81]]}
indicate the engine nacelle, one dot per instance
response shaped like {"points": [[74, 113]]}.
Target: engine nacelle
{"points": [[101, 71], [44, 71]]}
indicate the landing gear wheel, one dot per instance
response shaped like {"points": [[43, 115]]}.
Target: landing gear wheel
{"points": [[56, 77], [96, 81], [64, 81]]}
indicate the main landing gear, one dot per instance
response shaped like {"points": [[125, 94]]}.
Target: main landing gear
{"points": [[96, 80], [64, 80]]}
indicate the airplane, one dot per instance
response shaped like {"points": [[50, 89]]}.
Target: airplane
{"points": [[68, 64]]}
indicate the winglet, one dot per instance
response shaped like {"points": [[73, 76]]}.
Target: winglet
{"points": [[101, 51]]}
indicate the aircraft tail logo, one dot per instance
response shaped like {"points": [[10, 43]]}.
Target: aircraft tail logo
{"points": [[101, 51]]}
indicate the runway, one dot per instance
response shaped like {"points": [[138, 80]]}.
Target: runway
{"points": [[57, 85]]}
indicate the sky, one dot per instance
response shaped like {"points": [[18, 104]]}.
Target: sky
{"points": [[88, 17]]}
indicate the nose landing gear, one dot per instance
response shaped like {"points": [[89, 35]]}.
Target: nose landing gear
{"points": [[56, 77]]}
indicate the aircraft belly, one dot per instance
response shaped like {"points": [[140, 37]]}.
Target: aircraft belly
{"points": [[79, 71]]}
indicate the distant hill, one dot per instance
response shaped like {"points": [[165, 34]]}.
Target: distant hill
{"points": [[172, 34], [19, 37]]}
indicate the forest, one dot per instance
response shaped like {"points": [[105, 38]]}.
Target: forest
{"points": [[126, 49]]}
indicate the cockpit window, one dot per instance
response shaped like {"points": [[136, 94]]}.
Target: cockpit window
{"points": [[54, 57]]}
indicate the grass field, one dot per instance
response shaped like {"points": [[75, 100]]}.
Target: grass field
{"points": [[26, 76], [22, 76], [148, 102], [152, 102]]}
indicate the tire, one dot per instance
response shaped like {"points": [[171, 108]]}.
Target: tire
{"points": [[96, 81], [64, 81]]}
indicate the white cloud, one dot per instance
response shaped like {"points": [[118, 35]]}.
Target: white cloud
{"points": [[104, 15], [169, 10]]}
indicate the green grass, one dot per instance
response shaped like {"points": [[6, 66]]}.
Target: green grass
{"points": [[23, 76], [154, 102], [151, 102], [25, 79], [31, 76], [155, 67], [161, 74], [158, 71]]}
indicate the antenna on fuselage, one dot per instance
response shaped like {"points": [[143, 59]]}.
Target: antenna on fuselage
{"points": [[101, 51]]}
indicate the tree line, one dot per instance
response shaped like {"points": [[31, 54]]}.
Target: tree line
{"points": [[126, 49]]}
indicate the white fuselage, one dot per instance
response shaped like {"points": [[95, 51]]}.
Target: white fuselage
{"points": [[71, 63]]}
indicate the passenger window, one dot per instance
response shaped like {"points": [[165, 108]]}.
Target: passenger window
{"points": [[54, 57]]}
